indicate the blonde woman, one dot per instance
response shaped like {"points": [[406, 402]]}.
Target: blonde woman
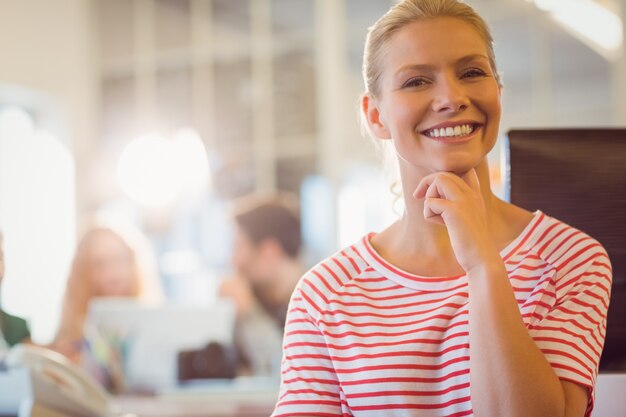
{"points": [[109, 262], [466, 305]]}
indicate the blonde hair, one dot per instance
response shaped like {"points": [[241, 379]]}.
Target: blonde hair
{"points": [[408, 11], [80, 288]]}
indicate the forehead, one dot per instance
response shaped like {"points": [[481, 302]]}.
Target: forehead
{"points": [[435, 41]]}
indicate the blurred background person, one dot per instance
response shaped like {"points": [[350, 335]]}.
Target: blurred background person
{"points": [[108, 262], [13, 329], [266, 260]]}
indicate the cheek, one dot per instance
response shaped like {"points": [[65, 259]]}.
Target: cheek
{"points": [[489, 99], [495, 113], [242, 258], [238, 254], [488, 102], [407, 113], [409, 116], [496, 107], [115, 276]]}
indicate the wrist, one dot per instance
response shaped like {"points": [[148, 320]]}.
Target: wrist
{"points": [[489, 267]]}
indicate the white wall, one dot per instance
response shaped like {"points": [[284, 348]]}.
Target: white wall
{"points": [[51, 47], [48, 66]]}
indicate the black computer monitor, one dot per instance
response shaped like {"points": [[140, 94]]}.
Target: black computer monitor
{"points": [[579, 177]]}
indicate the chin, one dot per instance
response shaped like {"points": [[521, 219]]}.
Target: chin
{"points": [[457, 161], [457, 167]]}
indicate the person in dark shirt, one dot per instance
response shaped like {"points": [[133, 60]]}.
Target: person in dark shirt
{"points": [[13, 330]]}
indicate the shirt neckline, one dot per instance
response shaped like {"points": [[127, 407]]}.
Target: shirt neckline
{"points": [[424, 283]]}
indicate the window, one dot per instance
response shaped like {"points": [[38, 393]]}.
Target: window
{"points": [[37, 216]]}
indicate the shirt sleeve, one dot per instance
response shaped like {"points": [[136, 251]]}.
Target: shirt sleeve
{"points": [[571, 335], [309, 385]]}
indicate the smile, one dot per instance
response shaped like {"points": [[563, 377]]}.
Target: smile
{"points": [[451, 132]]}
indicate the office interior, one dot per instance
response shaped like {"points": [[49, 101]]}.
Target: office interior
{"points": [[160, 114]]}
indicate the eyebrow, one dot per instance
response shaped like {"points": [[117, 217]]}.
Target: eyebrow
{"points": [[427, 67]]}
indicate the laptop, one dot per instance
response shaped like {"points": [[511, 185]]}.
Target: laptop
{"points": [[140, 343]]}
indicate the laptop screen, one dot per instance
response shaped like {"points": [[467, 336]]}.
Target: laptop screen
{"points": [[147, 339]]}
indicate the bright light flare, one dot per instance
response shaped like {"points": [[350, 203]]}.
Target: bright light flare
{"points": [[154, 171], [145, 171], [37, 199], [191, 160], [590, 21]]}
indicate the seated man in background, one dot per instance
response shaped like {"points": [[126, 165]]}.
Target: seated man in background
{"points": [[13, 330], [267, 266]]}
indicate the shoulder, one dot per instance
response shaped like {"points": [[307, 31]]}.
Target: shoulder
{"points": [[324, 280], [574, 255], [566, 247]]}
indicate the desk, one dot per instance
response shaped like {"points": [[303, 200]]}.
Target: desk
{"points": [[163, 407], [199, 404], [610, 395], [610, 402]]}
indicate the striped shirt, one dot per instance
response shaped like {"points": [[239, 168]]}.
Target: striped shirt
{"points": [[364, 338]]}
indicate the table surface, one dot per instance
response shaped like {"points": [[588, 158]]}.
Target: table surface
{"points": [[610, 402], [158, 407], [199, 403]]}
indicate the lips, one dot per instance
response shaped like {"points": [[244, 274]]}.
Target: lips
{"points": [[452, 130]]}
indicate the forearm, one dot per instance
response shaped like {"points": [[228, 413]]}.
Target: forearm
{"points": [[509, 374]]}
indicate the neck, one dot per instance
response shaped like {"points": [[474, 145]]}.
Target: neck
{"points": [[430, 239]]}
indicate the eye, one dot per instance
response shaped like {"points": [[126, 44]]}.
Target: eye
{"points": [[473, 73], [415, 82]]}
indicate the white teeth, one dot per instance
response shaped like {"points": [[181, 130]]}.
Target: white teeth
{"points": [[460, 130]]}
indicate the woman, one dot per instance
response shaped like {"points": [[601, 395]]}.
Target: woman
{"points": [[466, 305], [107, 263]]}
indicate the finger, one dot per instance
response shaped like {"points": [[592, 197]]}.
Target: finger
{"points": [[448, 185], [424, 185], [437, 220], [435, 209], [431, 193]]}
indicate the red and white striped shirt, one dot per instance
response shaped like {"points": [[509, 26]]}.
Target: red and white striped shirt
{"points": [[364, 338]]}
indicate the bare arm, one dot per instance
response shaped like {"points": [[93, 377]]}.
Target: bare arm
{"points": [[509, 374]]}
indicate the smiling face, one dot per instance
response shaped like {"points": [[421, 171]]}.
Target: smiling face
{"points": [[439, 100]]}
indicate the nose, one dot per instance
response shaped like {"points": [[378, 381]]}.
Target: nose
{"points": [[450, 96]]}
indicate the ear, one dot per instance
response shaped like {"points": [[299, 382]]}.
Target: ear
{"points": [[375, 121]]}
